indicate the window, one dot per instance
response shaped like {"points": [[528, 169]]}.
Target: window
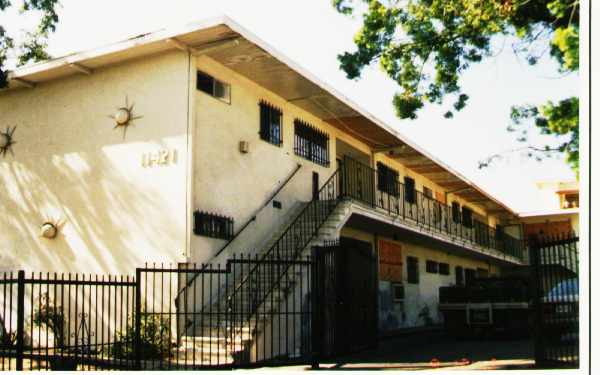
{"points": [[444, 269], [397, 292], [270, 124], [431, 266], [412, 270], [427, 192], [456, 212], [387, 179], [212, 225], [213, 87], [467, 217], [409, 190], [571, 200], [482, 273], [469, 275], [458, 270], [311, 143]]}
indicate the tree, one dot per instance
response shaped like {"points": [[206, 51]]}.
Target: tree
{"points": [[425, 46], [32, 47]]}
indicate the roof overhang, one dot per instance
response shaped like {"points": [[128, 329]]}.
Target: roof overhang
{"points": [[237, 48]]}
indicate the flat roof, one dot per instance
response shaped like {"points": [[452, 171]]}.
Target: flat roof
{"points": [[228, 42]]}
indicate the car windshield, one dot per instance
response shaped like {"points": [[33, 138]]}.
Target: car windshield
{"points": [[565, 288]]}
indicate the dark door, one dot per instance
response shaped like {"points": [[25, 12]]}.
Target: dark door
{"points": [[315, 185], [348, 297], [359, 181]]}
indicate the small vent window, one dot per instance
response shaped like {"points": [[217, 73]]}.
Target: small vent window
{"points": [[270, 124], [431, 266], [213, 87], [311, 143]]}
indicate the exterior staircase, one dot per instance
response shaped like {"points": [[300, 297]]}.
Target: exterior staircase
{"points": [[259, 285]]}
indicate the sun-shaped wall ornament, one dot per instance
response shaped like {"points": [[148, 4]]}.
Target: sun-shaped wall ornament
{"points": [[124, 116], [6, 141]]}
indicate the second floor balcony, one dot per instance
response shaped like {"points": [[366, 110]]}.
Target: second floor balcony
{"points": [[379, 192]]}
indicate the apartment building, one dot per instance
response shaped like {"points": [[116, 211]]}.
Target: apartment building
{"points": [[193, 145]]}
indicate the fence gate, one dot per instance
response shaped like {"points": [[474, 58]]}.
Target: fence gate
{"points": [[65, 322], [556, 300], [347, 296]]}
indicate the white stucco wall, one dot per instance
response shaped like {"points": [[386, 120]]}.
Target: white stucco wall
{"points": [[417, 297], [71, 167]]}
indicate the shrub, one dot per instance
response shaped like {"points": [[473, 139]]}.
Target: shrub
{"points": [[155, 339]]}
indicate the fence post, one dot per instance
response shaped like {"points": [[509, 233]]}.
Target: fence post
{"points": [[316, 311], [20, 318], [138, 319], [534, 254]]}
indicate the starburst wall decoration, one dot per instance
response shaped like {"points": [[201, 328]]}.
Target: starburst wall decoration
{"points": [[124, 116], [6, 141]]}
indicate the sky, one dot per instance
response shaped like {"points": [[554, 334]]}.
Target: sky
{"points": [[312, 33]]}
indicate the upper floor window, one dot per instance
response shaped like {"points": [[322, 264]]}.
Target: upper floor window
{"points": [[571, 200], [311, 143], [213, 87], [456, 212], [427, 192], [387, 179], [409, 190], [270, 124]]}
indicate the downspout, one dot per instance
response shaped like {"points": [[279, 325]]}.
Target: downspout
{"points": [[190, 161]]}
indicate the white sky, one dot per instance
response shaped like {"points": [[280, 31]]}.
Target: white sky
{"points": [[311, 33]]}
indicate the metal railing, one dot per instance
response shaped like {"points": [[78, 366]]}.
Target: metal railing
{"points": [[362, 183]]}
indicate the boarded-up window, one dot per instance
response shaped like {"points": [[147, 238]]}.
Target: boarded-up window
{"points": [[390, 261]]}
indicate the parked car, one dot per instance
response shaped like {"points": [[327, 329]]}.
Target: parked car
{"points": [[560, 308]]}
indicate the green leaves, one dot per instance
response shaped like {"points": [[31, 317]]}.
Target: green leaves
{"points": [[412, 38], [34, 44]]}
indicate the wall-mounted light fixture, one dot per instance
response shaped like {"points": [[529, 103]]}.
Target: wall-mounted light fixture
{"points": [[124, 116], [49, 230]]}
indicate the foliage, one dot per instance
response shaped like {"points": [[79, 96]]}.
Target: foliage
{"points": [[53, 317], [425, 46], [7, 339], [34, 43], [155, 339]]}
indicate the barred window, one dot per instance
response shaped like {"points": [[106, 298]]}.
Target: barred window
{"points": [[270, 124], [311, 143], [212, 225], [387, 179]]}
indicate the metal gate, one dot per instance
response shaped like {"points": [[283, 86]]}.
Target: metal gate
{"points": [[556, 300], [347, 296]]}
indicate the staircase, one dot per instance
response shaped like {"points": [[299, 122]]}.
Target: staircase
{"points": [[258, 285]]}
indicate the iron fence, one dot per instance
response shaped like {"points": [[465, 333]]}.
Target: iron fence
{"points": [[361, 182], [555, 263]]}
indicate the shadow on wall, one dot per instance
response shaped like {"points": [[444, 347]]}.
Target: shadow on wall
{"points": [[109, 221]]}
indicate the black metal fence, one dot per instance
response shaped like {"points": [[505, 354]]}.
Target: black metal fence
{"points": [[245, 313], [555, 263], [64, 322], [361, 182]]}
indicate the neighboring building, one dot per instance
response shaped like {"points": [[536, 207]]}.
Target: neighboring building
{"points": [[162, 148], [561, 216]]}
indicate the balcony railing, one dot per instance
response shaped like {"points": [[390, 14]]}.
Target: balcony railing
{"points": [[365, 184]]}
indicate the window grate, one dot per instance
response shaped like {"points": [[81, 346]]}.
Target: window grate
{"points": [[311, 143], [213, 225], [270, 123]]}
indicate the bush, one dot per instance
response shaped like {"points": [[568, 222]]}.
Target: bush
{"points": [[53, 317], [155, 339]]}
